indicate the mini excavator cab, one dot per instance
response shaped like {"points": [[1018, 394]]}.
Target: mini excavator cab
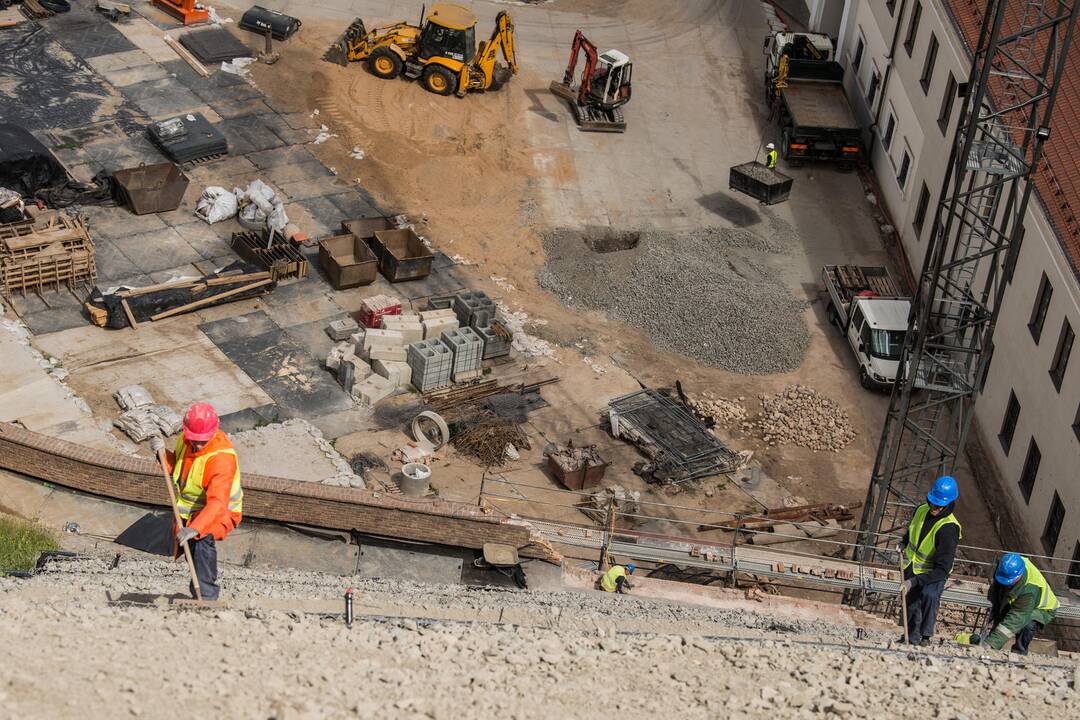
{"points": [[450, 32], [610, 86]]}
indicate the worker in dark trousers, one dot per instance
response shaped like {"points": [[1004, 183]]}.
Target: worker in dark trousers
{"points": [[928, 554], [770, 156], [1021, 603]]}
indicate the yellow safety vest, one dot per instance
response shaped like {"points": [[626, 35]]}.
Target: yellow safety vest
{"points": [[770, 159], [920, 555], [1047, 599], [607, 581], [191, 495]]}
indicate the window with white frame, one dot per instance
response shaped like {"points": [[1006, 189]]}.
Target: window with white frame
{"points": [[904, 168], [890, 130], [872, 89], [856, 58]]}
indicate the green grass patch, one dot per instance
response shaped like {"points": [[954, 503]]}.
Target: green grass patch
{"points": [[21, 542]]}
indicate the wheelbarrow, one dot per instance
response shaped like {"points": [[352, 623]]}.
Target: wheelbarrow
{"points": [[504, 560], [151, 188]]}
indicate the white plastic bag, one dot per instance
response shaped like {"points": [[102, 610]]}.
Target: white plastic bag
{"points": [[260, 207], [216, 204]]}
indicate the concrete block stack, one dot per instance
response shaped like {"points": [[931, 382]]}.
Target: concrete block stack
{"points": [[352, 372], [398, 373], [408, 324], [468, 351], [340, 330], [373, 389], [436, 322], [373, 309], [430, 364], [474, 308], [383, 345], [497, 339]]}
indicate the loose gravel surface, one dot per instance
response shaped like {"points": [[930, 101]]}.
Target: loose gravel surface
{"points": [[707, 294], [76, 656]]}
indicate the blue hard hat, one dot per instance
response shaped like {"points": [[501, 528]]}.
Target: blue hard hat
{"points": [[630, 567], [1010, 569], [943, 492]]}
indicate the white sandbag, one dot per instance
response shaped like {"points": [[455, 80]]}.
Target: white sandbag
{"points": [[216, 204]]}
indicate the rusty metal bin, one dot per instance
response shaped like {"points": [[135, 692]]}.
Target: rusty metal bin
{"points": [[402, 255], [590, 467], [364, 228], [347, 261], [151, 188]]}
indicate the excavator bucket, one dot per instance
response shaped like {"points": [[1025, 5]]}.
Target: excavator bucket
{"points": [[338, 52], [559, 89]]}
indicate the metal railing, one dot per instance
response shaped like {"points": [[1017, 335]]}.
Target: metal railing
{"points": [[825, 565]]}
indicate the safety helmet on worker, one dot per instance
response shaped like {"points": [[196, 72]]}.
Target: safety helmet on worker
{"points": [[944, 491], [770, 146], [201, 423], [1010, 569], [630, 568]]}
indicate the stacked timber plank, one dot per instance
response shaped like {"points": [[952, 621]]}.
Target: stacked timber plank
{"points": [[48, 252], [853, 277]]}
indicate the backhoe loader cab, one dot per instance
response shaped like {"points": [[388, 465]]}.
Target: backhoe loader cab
{"points": [[450, 32]]}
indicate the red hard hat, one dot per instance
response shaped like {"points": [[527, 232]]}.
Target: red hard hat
{"points": [[201, 422]]}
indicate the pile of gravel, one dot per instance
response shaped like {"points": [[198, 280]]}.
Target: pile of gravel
{"points": [[799, 415], [701, 293]]}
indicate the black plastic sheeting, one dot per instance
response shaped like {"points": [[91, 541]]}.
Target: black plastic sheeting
{"points": [[26, 165], [144, 306]]}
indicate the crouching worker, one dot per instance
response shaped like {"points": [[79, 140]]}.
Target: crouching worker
{"points": [[1021, 603], [204, 469], [617, 579]]}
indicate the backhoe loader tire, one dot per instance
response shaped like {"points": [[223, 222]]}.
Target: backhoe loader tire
{"points": [[439, 80], [384, 64]]}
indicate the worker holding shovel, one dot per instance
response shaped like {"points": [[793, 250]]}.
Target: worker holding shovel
{"points": [[927, 560], [205, 478]]}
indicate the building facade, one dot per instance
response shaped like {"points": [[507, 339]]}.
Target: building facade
{"points": [[906, 61]]}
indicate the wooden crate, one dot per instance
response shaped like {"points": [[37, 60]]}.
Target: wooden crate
{"points": [[52, 251]]}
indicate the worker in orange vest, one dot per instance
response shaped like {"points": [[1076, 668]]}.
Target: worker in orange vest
{"points": [[206, 474]]}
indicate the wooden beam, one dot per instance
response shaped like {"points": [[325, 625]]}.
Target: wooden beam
{"points": [[127, 311], [206, 301], [186, 56]]}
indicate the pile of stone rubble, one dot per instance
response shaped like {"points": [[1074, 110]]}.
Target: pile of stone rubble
{"points": [[799, 415]]}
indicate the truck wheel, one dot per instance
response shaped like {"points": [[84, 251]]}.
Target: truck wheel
{"points": [[785, 144], [439, 80], [864, 379], [385, 64], [834, 317]]}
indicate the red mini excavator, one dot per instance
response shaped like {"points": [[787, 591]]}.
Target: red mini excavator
{"points": [[604, 87]]}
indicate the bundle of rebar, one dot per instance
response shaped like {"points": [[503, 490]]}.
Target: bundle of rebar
{"points": [[487, 438]]}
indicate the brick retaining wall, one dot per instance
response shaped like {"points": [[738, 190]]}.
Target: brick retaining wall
{"points": [[123, 477]]}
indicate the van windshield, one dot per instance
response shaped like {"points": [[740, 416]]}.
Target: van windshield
{"points": [[886, 344]]}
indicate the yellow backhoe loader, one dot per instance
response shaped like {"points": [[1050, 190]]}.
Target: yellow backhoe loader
{"points": [[440, 50]]}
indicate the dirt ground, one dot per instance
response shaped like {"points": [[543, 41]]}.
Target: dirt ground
{"points": [[278, 647], [481, 177]]}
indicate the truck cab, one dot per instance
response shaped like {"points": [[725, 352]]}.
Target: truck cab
{"points": [[876, 335], [796, 46], [865, 304]]}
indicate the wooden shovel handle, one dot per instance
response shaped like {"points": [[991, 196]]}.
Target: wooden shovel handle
{"points": [[179, 524]]}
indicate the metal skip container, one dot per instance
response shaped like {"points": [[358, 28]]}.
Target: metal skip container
{"points": [[151, 188]]}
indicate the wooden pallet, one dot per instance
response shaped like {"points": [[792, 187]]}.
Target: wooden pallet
{"points": [[51, 251], [282, 259]]}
